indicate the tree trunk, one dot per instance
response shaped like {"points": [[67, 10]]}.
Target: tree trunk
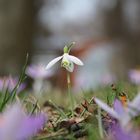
{"points": [[16, 30]]}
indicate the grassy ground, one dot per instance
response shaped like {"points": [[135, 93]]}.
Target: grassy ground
{"points": [[83, 121], [83, 125]]}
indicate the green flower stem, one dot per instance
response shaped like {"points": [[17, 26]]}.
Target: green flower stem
{"points": [[100, 123], [138, 88], [69, 92]]}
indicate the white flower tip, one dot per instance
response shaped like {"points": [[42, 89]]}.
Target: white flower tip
{"points": [[78, 62], [46, 68], [81, 63], [51, 63]]}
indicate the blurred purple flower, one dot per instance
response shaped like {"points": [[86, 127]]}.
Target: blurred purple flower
{"points": [[16, 125], [118, 107], [115, 129], [118, 112], [10, 83], [134, 76], [30, 126], [37, 72], [119, 133]]}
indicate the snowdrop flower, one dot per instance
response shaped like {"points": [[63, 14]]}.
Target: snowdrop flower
{"points": [[123, 115], [16, 125], [67, 62]]}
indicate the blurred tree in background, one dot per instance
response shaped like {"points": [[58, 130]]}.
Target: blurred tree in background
{"points": [[16, 33], [122, 25], [42, 27]]}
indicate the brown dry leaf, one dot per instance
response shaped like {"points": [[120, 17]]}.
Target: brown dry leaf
{"points": [[67, 123], [78, 110], [85, 104], [78, 119]]}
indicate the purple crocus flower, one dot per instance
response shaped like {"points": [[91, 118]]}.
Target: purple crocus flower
{"points": [[118, 107], [16, 125], [118, 133], [115, 129], [10, 83], [30, 126], [37, 72], [134, 76], [118, 112]]}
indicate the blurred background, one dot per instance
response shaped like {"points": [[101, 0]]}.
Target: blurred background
{"points": [[106, 32]]}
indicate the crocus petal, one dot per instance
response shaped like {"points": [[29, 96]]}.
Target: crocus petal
{"points": [[118, 107], [16, 125], [108, 109], [134, 76], [30, 126], [125, 119], [51, 63], [13, 117], [124, 114], [37, 72], [75, 60], [30, 71], [120, 134], [133, 107]]}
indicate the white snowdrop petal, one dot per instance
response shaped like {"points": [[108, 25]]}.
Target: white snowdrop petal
{"points": [[51, 63], [108, 109], [75, 60]]}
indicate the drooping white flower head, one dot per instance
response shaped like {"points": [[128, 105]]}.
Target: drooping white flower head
{"points": [[67, 62], [123, 115]]}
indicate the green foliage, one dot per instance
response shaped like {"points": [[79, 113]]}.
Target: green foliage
{"points": [[7, 96], [91, 129]]}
